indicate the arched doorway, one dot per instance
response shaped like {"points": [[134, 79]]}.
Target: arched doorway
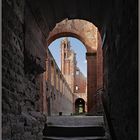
{"points": [[79, 106]]}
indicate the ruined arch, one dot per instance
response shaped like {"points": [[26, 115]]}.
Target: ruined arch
{"points": [[83, 30]]}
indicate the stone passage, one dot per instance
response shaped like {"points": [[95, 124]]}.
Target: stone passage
{"points": [[75, 128]]}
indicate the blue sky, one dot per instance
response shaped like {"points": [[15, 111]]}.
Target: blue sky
{"points": [[78, 48]]}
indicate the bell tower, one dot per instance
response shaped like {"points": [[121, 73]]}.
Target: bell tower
{"points": [[65, 50], [68, 62]]}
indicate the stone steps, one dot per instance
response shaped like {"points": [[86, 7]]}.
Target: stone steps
{"points": [[75, 138], [74, 128], [75, 120]]}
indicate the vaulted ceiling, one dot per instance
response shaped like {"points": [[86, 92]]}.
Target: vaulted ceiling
{"points": [[54, 11]]}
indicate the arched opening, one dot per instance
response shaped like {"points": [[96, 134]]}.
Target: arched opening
{"points": [[68, 55], [79, 106], [75, 45], [89, 35]]}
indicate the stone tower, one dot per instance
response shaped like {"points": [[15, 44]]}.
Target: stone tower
{"points": [[68, 63]]}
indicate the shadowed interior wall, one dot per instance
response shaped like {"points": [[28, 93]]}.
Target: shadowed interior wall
{"points": [[120, 54], [22, 117]]}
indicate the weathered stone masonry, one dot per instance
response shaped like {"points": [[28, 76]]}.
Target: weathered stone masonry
{"points": [[21, 118], [120, 53], [24, 63], [59, 94]]}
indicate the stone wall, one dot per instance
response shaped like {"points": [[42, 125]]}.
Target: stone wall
{"points": [[59, 94], [99, 89], [121, 70], [21, 116]]}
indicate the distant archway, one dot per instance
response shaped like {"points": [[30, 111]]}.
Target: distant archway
{"points": [[79, 106]]}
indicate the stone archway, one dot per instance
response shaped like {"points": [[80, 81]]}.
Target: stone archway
{"points": [[85, 31], [79, 106], [88, 34]]}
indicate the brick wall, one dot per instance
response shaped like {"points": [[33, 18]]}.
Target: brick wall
{"points": [[80, 81]]}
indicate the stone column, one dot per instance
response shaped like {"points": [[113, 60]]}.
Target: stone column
{"points": [[91, 81]]}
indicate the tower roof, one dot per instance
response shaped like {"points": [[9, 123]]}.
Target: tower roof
{"points": [[65, 40]]}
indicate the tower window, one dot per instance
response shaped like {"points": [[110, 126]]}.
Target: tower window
{"points": [[77, 72], [64, 55], [76, 87], [64, 45]]}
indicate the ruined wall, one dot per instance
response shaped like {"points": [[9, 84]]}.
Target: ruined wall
{"points": [[21, 118], [121, 70], [59, 94]]}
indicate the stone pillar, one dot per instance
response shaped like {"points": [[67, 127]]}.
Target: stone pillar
{"points": [[91, 81]]}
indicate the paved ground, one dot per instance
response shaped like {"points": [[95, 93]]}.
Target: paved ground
{"points": [[75, 120], [74, 138]]}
